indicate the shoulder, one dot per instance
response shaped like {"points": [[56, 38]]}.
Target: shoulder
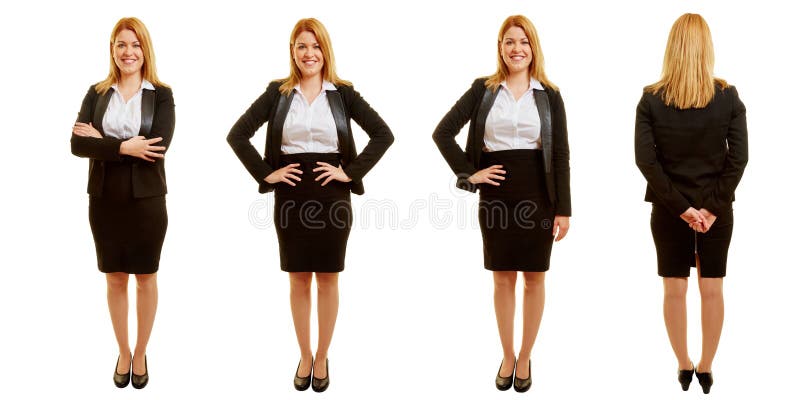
{"points": [[163, 90], [274, 86], [479, 84]]}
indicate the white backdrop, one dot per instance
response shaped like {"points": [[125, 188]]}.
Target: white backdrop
{"points": [[416, 312]]}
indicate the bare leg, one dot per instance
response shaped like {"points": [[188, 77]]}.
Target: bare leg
{"points": [[504, 302], [675, 319], [300, 299], [327, 310], [146, 304], [712, 314], [117, 295], [532, 309]]}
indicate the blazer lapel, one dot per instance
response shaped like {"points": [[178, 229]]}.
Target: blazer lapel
{"points": [[543, 105], [339, 118], [274, 137], [148, 110], [100, 110], [480, 123]]}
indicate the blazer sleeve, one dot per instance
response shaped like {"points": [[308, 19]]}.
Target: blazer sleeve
{"points": [[164, 118], [647, 161], [445, 133], [561, 157], [380, 137], [106, 148], [244, 129], [718, 195]]}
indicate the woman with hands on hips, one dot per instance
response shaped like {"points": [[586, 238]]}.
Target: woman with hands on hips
{"points": [[312, 165], [124, 127], [691, 146], [517, 155]]}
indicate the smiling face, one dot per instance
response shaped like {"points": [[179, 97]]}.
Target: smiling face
{"points": [[307, 54], [516, 50], [128, 55]]}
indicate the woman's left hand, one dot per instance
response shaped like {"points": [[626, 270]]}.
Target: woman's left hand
{"points": [[560, 227], [331, 173], [86, 130]]}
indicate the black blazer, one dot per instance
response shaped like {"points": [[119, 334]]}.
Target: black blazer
{"points": [[272, 106], [158, 120], [693, 157], [474, 106]]}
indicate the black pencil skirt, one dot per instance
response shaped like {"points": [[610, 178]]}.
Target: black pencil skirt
{"points": [[312, 221], [676, 244], [516, 218], [128, 232]]}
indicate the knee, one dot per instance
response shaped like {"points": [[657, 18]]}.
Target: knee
{"points": [[711, 289], [675, 288], [327, 282], [534, 280], [117, 281], [146, 282], [299, 281], [505, 280]]}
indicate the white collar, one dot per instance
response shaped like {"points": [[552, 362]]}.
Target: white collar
{"points": [[325, 86], [145, 85], [534, 84]]}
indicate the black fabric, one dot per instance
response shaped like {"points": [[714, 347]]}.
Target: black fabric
{"points": [[158, 120], [693, 157], [516, 218], [312, 221], [473, 107], [128, 231], [676, 244], [346, 104]]}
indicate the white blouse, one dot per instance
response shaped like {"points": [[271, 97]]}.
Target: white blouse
{"points": [[310, 128], [123, 120], [513, 124]]}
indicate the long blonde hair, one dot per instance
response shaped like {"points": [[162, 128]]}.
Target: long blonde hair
{"points": [[149, 62], [537, 64], [687, 77], [315, 27]]}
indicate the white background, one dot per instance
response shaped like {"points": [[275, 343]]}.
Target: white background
{"points": [[416, 314]]}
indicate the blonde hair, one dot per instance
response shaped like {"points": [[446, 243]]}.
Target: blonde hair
{"points": [[536, 68], [687, 77], [329, 64], [149, 62]]}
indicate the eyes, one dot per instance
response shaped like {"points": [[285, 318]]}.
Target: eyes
{"points": [[122, 45], [510, 42], [302, 46]]}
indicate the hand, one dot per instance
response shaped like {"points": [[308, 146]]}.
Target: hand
{"points": [[86, 130], [486, 175], [139, 146], [710, 218], [284, 174], [560, 227], [695, 219], [331, 173]]}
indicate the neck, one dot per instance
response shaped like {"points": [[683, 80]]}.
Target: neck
{"points": [[311, 81], [521, 78], [130, 80]]}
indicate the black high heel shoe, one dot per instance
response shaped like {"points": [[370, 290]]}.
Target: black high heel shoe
{"points": [[319, 385], [705, 379], [522, 385], [302, 383], [140, 381], [504, 382], [122, 380], [685, 377]]}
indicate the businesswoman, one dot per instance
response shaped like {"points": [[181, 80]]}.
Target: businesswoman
{"points": [[691, 146], [124, 128], [517, 155], [312, 165]]}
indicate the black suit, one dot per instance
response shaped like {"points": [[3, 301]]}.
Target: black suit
{"points": [[158, 120], [474, 106], [693, 157], [345, 103]]}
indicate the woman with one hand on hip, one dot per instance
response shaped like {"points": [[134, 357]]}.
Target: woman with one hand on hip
{"points": [[517, 154], [124, 127], [312, 165], [691, 146]]}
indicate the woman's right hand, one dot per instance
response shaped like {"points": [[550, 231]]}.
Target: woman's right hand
{"points": [[284, 174], [695, 219], [140, 147], [487, 175]]}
